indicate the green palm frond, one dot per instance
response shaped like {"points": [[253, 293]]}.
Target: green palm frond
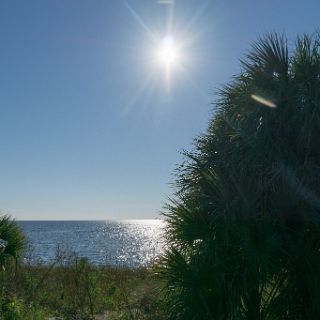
{"points": [[244, 226], [15, 241]]}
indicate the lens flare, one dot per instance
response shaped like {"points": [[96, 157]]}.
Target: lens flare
{"points": [[263, 101]]}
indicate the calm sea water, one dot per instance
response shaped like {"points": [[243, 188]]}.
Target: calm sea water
{"points": [[126, 243]]}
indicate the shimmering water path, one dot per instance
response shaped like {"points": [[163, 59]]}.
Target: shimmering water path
{"points": [[126, 243]]}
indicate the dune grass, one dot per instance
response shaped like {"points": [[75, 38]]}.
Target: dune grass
{"points": [[75, 289]]}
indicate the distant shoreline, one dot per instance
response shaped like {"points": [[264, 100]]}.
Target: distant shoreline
{"points": [[88, 220]]}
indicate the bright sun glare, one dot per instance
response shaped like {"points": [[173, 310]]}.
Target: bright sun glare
{"points": [[168, 52]]}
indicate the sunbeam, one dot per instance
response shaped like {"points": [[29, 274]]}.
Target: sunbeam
{"points": [[140, 21], [147, 84], [195, 18]]}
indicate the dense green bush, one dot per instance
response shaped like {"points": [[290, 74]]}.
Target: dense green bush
{"points": [[244, 224]]}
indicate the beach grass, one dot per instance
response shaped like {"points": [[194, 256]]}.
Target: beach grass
{"points": [[76, 290]]}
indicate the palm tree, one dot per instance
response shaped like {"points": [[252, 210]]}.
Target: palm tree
{"points": [[244, 223], [12, 240]]}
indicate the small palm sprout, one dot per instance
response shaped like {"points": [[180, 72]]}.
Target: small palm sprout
{"points": [[12, 240]]}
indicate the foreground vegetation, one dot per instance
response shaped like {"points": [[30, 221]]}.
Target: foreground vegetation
{"points": [[244, 225], [76, 290], [70, 288]]}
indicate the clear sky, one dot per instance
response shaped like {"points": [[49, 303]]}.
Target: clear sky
{"points": [[91, 124]]}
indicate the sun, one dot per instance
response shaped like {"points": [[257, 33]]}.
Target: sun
{"points": [[168, 51]]}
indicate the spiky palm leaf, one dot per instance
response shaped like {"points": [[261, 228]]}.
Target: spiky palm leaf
{"points": [[244, 228], [14, 239]]}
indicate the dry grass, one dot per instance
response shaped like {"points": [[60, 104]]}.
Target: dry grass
{"points": [[76, 290]]}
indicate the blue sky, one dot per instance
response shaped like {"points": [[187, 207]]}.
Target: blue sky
{"points": [[89, 129]]}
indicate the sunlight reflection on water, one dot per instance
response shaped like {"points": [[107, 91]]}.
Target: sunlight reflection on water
{"points": [[118, 243]]}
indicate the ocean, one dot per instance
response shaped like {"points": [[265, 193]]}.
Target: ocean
{"points": [[130, 243]]}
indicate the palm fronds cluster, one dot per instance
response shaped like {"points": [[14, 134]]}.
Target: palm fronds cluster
{"points": [[12, 240], [244, 225]]}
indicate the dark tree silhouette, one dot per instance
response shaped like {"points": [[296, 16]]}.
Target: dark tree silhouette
{"points": [[244, 224]]}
